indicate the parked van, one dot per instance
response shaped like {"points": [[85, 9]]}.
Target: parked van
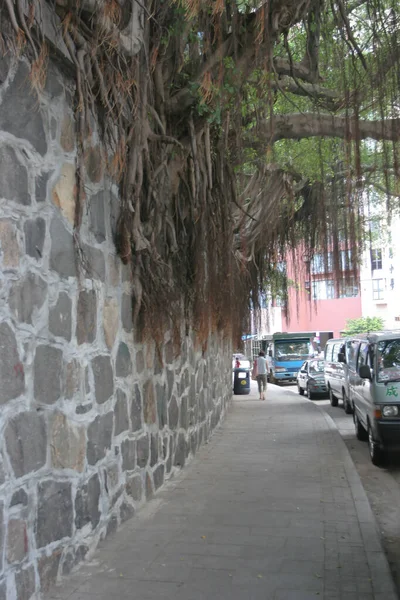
{"points": [[336, 373], [373, 363]]}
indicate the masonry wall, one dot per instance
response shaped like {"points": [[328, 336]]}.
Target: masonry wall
{"points": [[92, 422]]}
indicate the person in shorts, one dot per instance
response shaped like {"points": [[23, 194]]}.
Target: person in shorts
{"points": [[261, 374]]}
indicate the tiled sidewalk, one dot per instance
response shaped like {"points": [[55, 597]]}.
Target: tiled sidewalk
{"points": [[271, 509]]}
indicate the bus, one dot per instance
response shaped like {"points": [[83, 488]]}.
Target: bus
{"points": [[286, 352]]}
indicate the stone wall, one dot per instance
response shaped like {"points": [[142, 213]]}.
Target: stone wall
{"points": [[92, 422]]}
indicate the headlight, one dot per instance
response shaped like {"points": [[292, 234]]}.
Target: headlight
{"points": [[280, 369], [390, 411]]}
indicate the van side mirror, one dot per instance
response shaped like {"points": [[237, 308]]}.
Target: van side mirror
{"points": [[341, 357], [270, 353], [364, 372]]}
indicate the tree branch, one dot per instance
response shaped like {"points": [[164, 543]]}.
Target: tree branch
{"points": [[298, 126]]}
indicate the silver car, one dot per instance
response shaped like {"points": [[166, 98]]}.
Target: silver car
{"points": [[311, 379]]}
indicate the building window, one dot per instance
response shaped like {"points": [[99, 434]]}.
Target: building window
{"points": [[322, 263], [346, 260], [348, 288], [378, 289], [376, 259], [323, 289]]}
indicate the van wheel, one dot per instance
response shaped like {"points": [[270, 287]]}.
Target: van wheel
{"points": [[346, 404], [375, 451], [300, 390], [361, 434], [271, 377], [332, 398], [310, 394]]}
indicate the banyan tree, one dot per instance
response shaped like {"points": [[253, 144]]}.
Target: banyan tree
{"points": [[237, 130]]}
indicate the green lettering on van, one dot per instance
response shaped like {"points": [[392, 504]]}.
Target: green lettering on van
{"points": [[392, 391]]}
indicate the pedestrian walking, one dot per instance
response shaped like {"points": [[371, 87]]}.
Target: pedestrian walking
{"points": [[260, 366]]}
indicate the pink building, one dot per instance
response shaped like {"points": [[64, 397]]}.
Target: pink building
{"points": [[318, 301]]}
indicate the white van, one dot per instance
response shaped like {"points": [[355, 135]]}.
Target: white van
{"points": [[374, 389], [336, 373]]}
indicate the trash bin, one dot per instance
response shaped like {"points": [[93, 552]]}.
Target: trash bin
{"points": [[241, 381]]}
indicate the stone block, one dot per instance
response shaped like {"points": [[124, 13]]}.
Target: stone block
{"points": [[170, 382], [184, 421], [126, 312], [94, 259], [113, 270], [97, 223], [26, 442], [54, 519], [123, 363], [17, 541], [68, 444], [139, 362], [149, 486], [136, 409], [112, 526], [171, 452], [149, 403], [13, 176], [99, 438], [62, 253], [1, 533], [86, 317], [60, 317], [25, 583], [173, 413], [47, 368], [158, 476], [73, 371], [53, 87], [103, 378], [193, 442], [27, 297], [111, 476], [2, 473], [110, 321], [126, 512], [180, 451], [12, 375], [3, 589], [94, 164], [114, 204], [82, 409], [143, 451], [158, 365], [67, 136], [41, 186], [20, 497], [128, 453], [73, 557], [162, 406], [121, 417], [9, 244], [199, 378], [4, 68], [35, 232], [134, 487], [153, 449], [48, 570], [87, 503], [20, 112], [169, 353]]}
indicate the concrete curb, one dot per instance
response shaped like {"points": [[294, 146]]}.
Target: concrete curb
{"points": [[382, 581]]}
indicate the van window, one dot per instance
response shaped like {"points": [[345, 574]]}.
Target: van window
{"points": [[328, 352], [388, 360], [363, 356], [352, 348], [335, 353]]}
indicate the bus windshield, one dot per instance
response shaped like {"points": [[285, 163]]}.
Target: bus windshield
{"points": [[292, 350], [388, 360]]}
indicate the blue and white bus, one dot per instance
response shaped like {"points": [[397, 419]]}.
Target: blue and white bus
{"points": [[286, 352]]}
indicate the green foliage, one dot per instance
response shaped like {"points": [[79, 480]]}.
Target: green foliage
{"points": [[363, 325]]}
